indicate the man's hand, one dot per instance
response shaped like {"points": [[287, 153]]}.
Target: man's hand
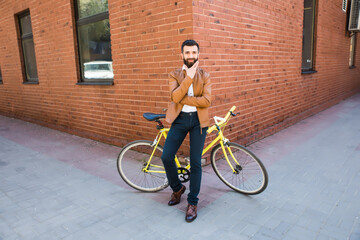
{"points": [[191, 71]]}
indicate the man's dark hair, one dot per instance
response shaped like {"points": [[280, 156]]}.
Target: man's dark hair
{"points": [[189, 43]]}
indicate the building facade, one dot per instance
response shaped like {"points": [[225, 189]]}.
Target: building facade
{"points": [[93, 67]]}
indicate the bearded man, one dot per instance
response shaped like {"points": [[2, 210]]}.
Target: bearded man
{"points": [[190, 92]]}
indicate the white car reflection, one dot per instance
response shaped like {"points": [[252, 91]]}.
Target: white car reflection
{"points": [[98, 70]]}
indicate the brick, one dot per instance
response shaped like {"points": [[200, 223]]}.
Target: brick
{"points": [[252, 50]]}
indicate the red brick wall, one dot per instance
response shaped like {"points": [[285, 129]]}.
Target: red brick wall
{"points": [[253, 51], [145, 37], [251, 48]]}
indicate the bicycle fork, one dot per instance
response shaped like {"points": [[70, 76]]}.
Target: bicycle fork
{"points": [[224, 142]]}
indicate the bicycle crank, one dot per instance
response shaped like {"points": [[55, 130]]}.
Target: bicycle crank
{"points": [[183, 174]]}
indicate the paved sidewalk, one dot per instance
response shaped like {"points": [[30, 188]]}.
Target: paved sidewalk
{"points": [[58, 186]]}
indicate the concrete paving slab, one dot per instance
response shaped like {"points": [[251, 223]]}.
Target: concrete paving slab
{"points": [[58, 186]]}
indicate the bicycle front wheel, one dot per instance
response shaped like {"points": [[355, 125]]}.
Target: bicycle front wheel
{"points": [[140, 166], [246, 174]]}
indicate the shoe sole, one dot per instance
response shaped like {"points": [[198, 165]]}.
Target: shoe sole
{"points": [[190, 220]]}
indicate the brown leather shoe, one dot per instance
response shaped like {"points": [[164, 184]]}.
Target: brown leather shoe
{"points": [[176, 196], [191, 213]]}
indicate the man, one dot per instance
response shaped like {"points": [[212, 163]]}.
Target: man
{"points": [[190, 92]]}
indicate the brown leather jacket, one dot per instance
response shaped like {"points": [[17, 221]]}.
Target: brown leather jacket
{"points": [[179, 84]]}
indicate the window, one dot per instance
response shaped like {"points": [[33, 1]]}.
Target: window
{"points": [[27, 48], [352, 50], [308, 37], [0, 76], [93, 35], [344, 5]]}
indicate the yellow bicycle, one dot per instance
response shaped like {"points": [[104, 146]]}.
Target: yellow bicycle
{"points": [[140, 166]]}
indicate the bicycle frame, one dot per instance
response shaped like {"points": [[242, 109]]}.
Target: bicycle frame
{"points": [[220, 138]]}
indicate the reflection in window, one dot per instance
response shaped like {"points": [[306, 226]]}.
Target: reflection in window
{"points": [[93, 31], [87, 8], [27, 47], [308, 35], [98, 70]]}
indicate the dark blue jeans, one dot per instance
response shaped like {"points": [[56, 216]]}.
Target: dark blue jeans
{"points": [[184, 123]]}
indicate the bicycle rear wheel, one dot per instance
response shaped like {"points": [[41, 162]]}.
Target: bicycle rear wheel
{"points": [[139, 170], [249, 175]]}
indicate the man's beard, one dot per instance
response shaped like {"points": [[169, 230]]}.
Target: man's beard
{"points": [[190, 64]]}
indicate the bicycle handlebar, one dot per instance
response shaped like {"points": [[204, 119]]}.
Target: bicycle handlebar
{"points": [[212, 128]]}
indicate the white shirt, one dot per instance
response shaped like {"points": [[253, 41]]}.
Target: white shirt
{"points": [[187, 108]]}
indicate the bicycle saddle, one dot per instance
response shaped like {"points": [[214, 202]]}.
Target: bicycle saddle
{"points": [[153, 116]]}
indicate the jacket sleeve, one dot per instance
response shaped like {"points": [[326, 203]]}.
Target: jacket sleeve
{"points": [[202, 101], [177, 92]]}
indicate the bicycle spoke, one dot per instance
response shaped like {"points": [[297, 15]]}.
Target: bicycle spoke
{"points": [[132, 161], [250, 176]]}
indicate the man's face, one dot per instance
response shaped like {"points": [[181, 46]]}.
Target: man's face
{"points": [[190, 55]]}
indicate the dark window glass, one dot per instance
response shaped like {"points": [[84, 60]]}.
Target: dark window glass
{"points": [[93, 31], [25, 24], [0, 76], [29, 59], [27, 46], [308, 36]]}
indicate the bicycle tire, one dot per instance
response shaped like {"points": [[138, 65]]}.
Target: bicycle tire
{"points": [[131, 161], [251, 176]]}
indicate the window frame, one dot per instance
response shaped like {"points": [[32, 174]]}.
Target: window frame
{"points": [[311, 69], [81, 22], [1, 78], [22, 37]]}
